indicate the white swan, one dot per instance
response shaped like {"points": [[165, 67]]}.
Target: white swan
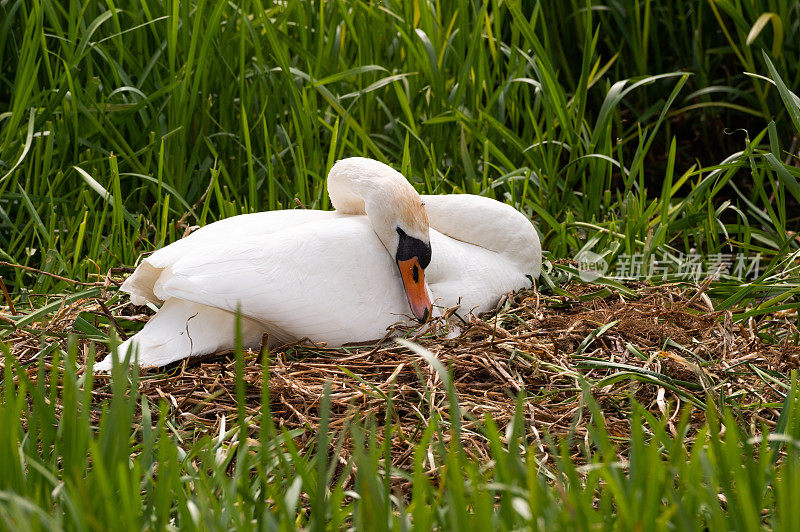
{"points": [[331, 276]]}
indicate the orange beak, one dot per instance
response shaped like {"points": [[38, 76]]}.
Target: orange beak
{"points": [[414, 284]]}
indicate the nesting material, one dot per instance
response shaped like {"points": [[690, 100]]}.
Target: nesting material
{"points": [[669, 349]]}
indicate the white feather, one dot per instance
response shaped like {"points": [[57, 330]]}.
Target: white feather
{"points": [[181, 329], [323, 275]]}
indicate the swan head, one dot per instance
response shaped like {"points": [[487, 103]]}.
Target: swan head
{"points": [[412, 257], [397, 215]]}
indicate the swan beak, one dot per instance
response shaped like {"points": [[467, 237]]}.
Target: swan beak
{"points": [[414, 284]]}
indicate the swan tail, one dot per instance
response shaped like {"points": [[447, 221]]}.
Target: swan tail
{"points": [[141, 283], [181, 329]]}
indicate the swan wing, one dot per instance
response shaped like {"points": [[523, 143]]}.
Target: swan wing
{"points": [[482, 249], [247, 226], [180, 329], [473, 277], [488, 224], [331, 280]]}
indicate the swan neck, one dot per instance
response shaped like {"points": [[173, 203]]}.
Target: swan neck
{"points": [[364, 186]]}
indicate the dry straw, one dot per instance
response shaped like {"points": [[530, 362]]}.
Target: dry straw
{"points": [[664, 347]]}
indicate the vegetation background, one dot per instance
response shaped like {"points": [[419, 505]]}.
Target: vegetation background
{"points": [[620, 127]]}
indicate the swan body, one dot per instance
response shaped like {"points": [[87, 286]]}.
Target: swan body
{"points": [[338, 276]]}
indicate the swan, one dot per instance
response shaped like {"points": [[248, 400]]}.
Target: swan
{"points": [[330, 276]]}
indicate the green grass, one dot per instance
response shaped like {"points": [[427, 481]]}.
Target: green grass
{"points": [[629, 127], [133, 469], [206, 110]]}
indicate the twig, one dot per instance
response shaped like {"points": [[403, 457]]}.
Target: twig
{"points": [[8, 320], [111, 253], [54, 276], [112, 318], [8, 297], [700, 291]]}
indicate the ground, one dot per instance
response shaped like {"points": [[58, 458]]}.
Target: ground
{"points": [[663, 346]]}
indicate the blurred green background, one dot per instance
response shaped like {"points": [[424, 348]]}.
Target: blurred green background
{"points": [[619, 126]]}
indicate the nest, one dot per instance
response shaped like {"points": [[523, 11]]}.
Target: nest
{"points": [[664, 348]]}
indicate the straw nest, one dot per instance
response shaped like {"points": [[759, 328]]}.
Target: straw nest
{"points": [[665, 347]]}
